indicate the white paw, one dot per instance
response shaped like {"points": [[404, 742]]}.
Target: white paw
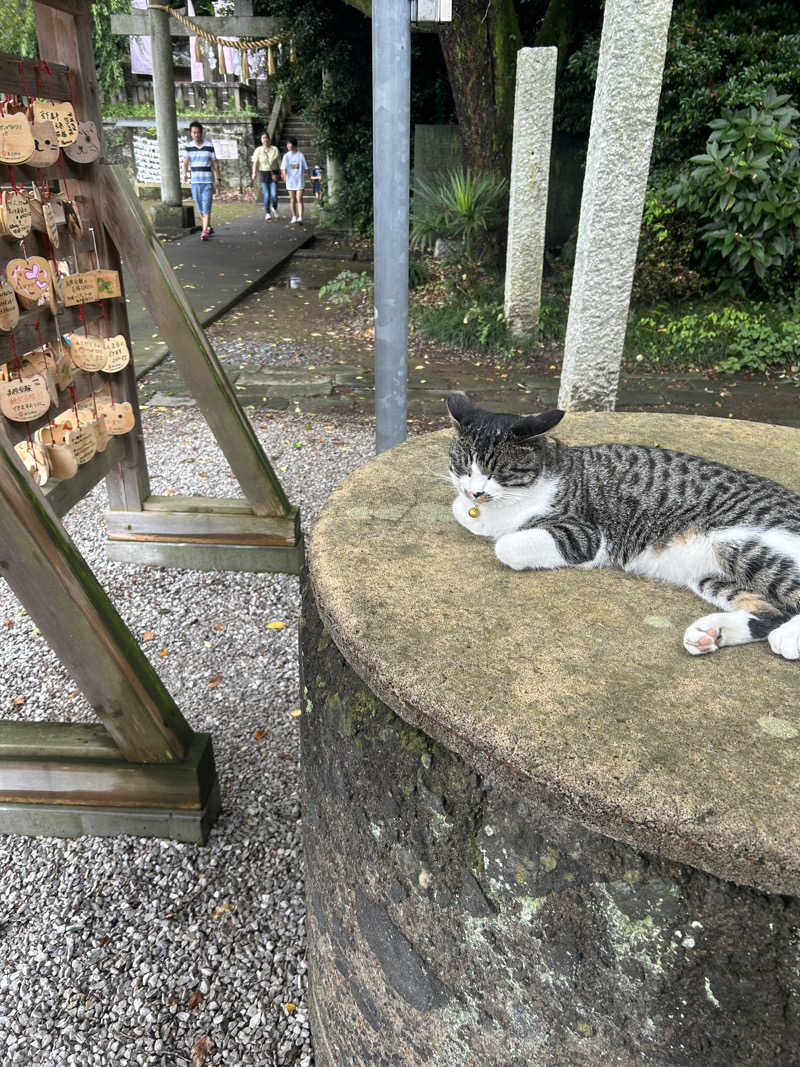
{"points": [[529, 550], [717, 630], [785, 639], [701, 637]]}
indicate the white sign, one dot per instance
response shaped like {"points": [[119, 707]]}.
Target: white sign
{"points": [[431, 10], [226, 149]]}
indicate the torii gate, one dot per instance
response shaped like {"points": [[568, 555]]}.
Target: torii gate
{"points": [[158, 24]]}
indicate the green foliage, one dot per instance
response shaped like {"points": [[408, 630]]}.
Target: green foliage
{"points": [[17, 31], [664, 262], [745, 191], [345, 286], [474, 320], [727, 337], [460, 206], [121, 110]]}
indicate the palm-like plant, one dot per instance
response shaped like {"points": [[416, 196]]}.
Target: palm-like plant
{"points": [[460, 206]]}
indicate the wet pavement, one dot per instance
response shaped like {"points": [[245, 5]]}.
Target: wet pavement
{"points": [[286, 349]]}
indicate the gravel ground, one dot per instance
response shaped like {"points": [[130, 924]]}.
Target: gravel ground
{"points": [[134, 951]]}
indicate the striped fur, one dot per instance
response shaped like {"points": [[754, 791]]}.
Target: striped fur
{"points": [[728, 535]]}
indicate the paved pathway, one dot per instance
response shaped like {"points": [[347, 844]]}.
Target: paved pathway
{"points": [[216, 274]]}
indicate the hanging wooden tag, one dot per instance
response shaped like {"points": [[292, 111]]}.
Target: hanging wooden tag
{"points": [[9, 308], [35, 364], [24, 400], [57, 207], [79, 288], [50, 224], [61, 459], [118, 356], [16, 214], [86, 148], [30, 280], [108, 285], [61, 114], [97, 424], [16, 139], [45, 145], [37, 214], [63, 363], [73, 220], [67, 430], [119, 417], [35, 459], [88, 353]]}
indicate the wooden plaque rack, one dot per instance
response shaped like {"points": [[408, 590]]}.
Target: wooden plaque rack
{"points": [[142, 770]]}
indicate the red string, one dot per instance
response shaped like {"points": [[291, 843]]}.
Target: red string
{"points": [[94, 398], [82, 317], [39, 332], [74, 404], [21, 66], [13, 182], [49, 86], [13, 342], [63, 176], [38, 70], [71, 89]]}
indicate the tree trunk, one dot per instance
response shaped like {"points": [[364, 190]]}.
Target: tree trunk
{"points": [[480, 49]]}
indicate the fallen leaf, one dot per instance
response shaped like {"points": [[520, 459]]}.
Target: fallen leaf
{"points": [[219, 625], [290, 1007], [195, 1000], [285, 755], [148, 635], [295, 713], [19, 701], [276, 625], [214, 682], [200, 1050], [164, 652], [8, 623], [259, 734], [223, 909]]}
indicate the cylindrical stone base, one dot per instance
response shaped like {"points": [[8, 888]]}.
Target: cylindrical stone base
{"points": [[453, 923]]}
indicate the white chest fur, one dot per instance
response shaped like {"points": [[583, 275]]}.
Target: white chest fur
{"points": [[508, 510]]}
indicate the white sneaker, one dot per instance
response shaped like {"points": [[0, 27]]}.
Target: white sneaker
{"points": [[268, 218], [293, 220], [274, 212]]}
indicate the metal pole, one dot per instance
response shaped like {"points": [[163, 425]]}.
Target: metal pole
{"points": [[391, 136], [164, 100]]}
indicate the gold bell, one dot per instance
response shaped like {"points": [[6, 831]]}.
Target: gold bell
{"points": [[474, 512]]}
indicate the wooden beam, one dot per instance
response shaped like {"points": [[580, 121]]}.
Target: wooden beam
{"points": [[60, 592], [255, 559], [256, 27], [197, 361], [55, 741], [63, 496], [63, 30], [198, 521], [23, 82]]}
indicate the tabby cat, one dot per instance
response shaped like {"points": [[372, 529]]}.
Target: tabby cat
{"points": [[729, 536]]}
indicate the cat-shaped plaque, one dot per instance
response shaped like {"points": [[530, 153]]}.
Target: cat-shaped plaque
{"points": [[86, 149], [45, 145]]}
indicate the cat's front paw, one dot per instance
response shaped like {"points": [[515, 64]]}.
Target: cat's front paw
{"points": [[701, 637], [529, 550], [785, 639]]}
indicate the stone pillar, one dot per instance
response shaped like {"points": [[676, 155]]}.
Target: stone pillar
{"points": [[629, 74], [530, 169], [164, 100]]}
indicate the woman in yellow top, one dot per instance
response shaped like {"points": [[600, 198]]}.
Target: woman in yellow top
{"points": [[267, 165]]}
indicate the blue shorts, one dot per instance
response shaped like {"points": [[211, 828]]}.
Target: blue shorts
{"points": [[201, 194]]}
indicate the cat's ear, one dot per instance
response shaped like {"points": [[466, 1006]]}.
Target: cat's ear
{"points": [[459, 405], [535, 425]]}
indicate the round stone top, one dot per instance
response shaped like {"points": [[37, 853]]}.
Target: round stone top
{"points": [[573, 686]]}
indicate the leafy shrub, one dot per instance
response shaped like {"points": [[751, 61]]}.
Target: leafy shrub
{"points": [[461, 206], [728, 338], [664, 261], [745, 190], [345, 286]]}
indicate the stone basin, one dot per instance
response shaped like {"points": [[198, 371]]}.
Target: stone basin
{"points": [[497, 762]]}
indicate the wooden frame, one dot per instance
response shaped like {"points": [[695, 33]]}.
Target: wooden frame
{"points": [[143, 770]]}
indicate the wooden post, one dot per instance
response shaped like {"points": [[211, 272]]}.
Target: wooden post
{"points": [[132, 234], [62, 595]]}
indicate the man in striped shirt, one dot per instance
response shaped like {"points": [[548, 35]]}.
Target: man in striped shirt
{"points": [[199, 155]]}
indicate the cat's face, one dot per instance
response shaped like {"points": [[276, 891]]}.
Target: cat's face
{"points": [[493, 455]]}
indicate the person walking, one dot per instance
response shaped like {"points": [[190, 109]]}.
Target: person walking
{"points": [[199, 158], [267, 164], [293, 171]]}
